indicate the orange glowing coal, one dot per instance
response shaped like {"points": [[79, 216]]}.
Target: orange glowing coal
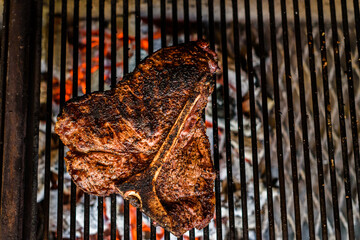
{"points": [[95, 42], [187, 238], [56, 90], [145, 227], [107, 227]]}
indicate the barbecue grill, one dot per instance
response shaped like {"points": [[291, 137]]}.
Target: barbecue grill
{"points": [[282, 121]]}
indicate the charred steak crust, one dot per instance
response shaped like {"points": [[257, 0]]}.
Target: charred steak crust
{"points": [[146, 140]]}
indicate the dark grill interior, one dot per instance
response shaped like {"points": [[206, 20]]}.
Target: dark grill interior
{"points": [[282, 122]]}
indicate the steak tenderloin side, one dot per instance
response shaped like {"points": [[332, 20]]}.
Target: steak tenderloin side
{"points": [[145, 139]]}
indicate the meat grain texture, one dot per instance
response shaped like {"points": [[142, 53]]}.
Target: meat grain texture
{"points": [[145, 139]]}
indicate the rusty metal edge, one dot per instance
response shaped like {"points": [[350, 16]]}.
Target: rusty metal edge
{"points": [[3, 67], [30, 206], [19, 169]]}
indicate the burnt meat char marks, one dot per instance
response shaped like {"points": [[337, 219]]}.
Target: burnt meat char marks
{"points": [[138, 138], [98, 173], [186, 180]]}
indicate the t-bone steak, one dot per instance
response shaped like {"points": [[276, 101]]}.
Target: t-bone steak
{"points": [[145, 139]]}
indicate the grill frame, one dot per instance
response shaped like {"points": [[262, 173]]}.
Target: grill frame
{"points": [[20, 62], [23, 83]]}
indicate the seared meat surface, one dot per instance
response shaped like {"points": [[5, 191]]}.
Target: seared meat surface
{"points": [[145, 139]]}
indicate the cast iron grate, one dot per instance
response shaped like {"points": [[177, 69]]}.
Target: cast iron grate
{"points": [[283, 120]]}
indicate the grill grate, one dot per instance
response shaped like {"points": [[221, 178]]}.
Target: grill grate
{"points": [[297, 175]]}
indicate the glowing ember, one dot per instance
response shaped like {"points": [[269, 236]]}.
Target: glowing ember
{"points": [[95, 42], [145, 226], [56, 90]]}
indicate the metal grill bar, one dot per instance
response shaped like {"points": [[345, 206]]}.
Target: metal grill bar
{"points": [[88, 44], [126, 70], [88, 90], [215, 129], [60, 202], [74, 94], [206, 233], [30, 213], [21, 81], [75, 51], [291, 121], [186, 21], [279, 144], [227, 122], [342, 121], [355, 136], [113, 217], [167, 235], [151, 49], [152, 230], [3, 73], [48, 119], [239, 100], [349, 74], [199, 36], [356, 151], [186, 35], [101, 88], [113, 40], [150, 26], [137, 57], [163, 44], [316, 122], [329, 134], [253, 131], [192, 234], [175, 22], [113, 83], [356, 144], [304, 121], [126, 35], [101, 43], [163, 23]]}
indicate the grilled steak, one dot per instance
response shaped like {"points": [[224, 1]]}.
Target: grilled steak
{"points": [[146, 140]]}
